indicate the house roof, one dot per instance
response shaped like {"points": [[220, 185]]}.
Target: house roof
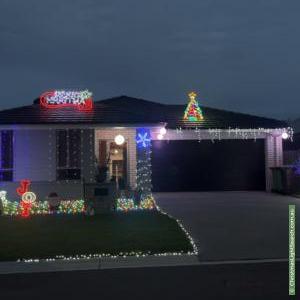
{"points": [[129, 111]]}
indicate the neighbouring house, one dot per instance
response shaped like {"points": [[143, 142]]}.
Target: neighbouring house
{"points": [[64, 141], [288, 176], [291, 149]]}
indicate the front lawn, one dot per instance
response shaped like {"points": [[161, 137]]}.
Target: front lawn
{"points": [[69, 235]]}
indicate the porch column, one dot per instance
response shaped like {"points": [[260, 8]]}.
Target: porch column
{"points": [[273, 157], [143, 166]]}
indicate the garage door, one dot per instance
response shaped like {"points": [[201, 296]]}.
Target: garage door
{"points": [[206, 166]]}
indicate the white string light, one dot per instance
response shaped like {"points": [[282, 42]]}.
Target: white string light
{"points": [[235, 133]]}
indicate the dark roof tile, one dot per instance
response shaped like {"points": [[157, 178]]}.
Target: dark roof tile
{"points": [[129, 111]]}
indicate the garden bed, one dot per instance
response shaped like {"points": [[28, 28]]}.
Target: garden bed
{"points": [[50, 236]]}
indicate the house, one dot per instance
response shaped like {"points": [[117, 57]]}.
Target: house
{"points": [[291, 150], [61, 141]]}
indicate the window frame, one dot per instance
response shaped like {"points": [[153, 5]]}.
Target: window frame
{"points": [[10, 168]]}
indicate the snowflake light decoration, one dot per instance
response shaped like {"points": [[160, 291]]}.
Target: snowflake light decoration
{"points": [[143, 138]]}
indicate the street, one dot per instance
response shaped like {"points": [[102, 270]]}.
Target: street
{"points": [[231, 281]]}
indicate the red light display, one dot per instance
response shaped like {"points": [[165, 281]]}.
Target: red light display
{"points": [[26, 202], [24, 187], [82, 100]]}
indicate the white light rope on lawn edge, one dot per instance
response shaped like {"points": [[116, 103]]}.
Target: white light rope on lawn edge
{"points": [[137, 254], [195, 249]]}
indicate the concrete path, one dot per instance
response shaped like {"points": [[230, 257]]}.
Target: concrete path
{"points": [[234, 225], [120, 263], [97, 264]]}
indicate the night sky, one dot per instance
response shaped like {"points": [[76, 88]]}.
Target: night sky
{"points": [[238, 55]]}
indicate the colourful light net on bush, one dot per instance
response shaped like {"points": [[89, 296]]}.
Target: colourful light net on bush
{"points": [[71, 207], [13, 208], [127, 204]]}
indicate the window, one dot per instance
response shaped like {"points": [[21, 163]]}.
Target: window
{"points": [[7, 156], [68, 154]]}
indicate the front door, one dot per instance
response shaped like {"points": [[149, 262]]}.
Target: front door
{"points": [[114, 157]]}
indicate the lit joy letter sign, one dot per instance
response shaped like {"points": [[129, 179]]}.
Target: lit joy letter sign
{"points": [[28, 198], [56, 99]]}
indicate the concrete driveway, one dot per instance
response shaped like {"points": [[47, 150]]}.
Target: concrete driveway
{"points": [[234, 225]]}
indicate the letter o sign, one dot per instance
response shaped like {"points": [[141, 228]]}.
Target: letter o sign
{"points": [[28, 197]]}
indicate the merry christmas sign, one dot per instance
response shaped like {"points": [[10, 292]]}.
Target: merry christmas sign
{"points": [[81, 100]]}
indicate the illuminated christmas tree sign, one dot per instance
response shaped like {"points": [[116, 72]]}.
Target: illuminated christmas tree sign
{"points": [[193, 111], [82, 100]]}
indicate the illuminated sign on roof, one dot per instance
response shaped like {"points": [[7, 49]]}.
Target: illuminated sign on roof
{"points": [[82, 100]]}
